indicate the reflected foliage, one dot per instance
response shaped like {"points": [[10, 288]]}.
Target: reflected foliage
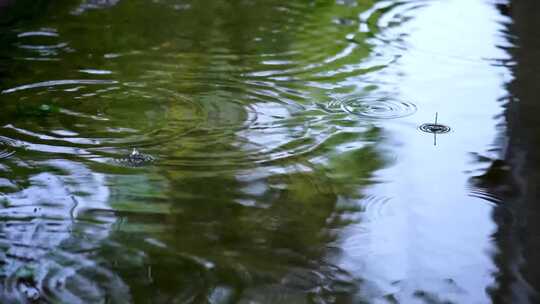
{"points": [[251, 171]]}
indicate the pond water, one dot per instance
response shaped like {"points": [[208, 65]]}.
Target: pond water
{"points": [[268, 151]]}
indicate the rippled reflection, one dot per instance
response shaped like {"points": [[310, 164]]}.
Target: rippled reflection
{"points": [[244, 151], [49, 247]]}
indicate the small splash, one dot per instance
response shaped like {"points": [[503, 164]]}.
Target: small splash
{"points": [[434, 128], [136, 159], [334, 106], [377, 107]]}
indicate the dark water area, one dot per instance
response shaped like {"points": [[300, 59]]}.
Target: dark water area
{"points": [[246, 151]]}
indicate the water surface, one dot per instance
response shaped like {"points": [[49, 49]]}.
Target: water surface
{"points": [[286, 163]]}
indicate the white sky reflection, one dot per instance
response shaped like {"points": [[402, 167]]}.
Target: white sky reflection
{"points": [[431, 240]]}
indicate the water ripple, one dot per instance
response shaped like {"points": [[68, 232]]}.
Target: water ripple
{"points": [[49, 243], [225, 102], [375, 207], [53, 83], [383, 107], [384, 21], [486, 195], [102, 130], [6, 147], [44, 33], [434, 128]]}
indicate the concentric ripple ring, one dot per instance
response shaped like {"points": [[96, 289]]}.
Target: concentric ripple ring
{"points": [[5, 151], [434, 128], [377, 107]]}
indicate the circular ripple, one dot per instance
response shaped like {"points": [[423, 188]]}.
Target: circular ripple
{"points": [[434, 128], [377, 107], [42, 44], [247, 105], [374, 207], [119, 117], [5, 150]]}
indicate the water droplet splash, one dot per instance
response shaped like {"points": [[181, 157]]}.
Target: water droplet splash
{"points": [[434, 128], [136, 159]]}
